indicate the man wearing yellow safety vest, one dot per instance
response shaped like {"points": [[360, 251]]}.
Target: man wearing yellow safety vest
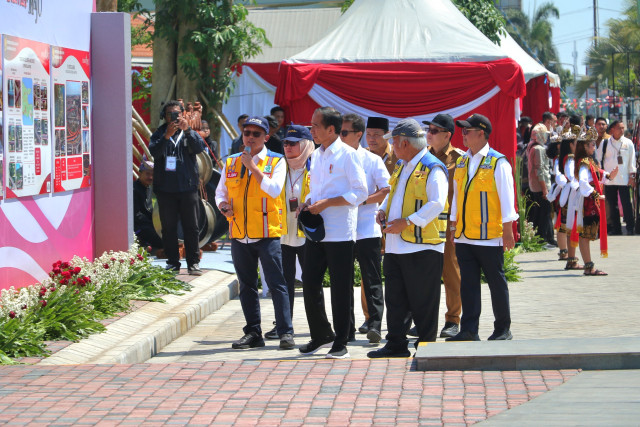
{"points": [[249, 195], [414, 219], [482, 213]]}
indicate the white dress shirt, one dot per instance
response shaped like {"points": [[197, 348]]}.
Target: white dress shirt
{"points": [[293, 188], [437, 191], [624, 148], [336, 172], [504, 184], [377, 178], [270, 185]]}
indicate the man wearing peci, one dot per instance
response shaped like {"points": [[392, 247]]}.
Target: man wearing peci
{"points": [[482, 214], [249, 194]]}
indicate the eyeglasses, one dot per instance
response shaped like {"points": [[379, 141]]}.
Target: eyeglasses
{"points": [[436, 131], [255, 133], [290, 143], [346, 132], [465, 131]]}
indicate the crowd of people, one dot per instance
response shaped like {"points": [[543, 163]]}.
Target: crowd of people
{"points": [[579, 171], [410, 206]]}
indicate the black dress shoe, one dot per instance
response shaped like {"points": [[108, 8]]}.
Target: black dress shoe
{"points": [[364, 328], [388, 352], [374, 336], [464, 336], [501, 336], [250, 340], [450, 329], [413, 332], [272, 334]]}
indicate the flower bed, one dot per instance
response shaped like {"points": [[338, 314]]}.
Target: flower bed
{"points": [[78, 294]]}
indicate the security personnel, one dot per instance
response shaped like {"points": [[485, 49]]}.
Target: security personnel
{"points": [[249, 194], [439, 135], [483, 208], [414, 220]]}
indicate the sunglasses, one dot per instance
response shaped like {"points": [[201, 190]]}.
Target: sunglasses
{"points": [[465, 131], [255, 133], [346, 132], [436, 131], [290, 143]]}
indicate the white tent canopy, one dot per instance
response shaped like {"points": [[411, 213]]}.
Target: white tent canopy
{"points": [[530, 66], [401, 30]]}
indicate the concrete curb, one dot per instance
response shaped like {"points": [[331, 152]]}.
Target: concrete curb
{"points": [[140, 335], [542, 354]]}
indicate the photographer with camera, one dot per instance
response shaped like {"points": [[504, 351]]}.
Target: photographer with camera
{"points": [[174, 146]]}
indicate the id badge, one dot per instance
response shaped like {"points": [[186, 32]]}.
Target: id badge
{"points": [[293, 204], [619, 159], [171, 164]]}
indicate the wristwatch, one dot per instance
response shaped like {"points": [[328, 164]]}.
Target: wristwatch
{"points": [[408, 222]]}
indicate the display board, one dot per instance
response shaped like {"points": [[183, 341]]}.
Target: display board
{"points": [[26, 86], [71, 114]]}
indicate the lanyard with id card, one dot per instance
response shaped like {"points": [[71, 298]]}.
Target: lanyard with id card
{"points": [[171, 160]]}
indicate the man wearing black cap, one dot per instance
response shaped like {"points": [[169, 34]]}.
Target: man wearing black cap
{"points": [[483, 212], [439, 134], [377, 127], [249, 195], [414, 219], [338, 186]]}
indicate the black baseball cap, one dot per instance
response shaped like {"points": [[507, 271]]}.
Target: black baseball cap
{"points": [[475, 121], [258, 121], [296, 133], [443, 121], [311, 225]]}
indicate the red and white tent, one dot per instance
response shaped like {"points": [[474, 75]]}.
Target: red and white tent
{"points": [[406, 58]]}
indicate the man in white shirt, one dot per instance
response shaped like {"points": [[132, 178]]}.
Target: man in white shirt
{"points": [[249, 195], [414, 220], [368, 233], [338, 186], [482, 214], [618, 151]]}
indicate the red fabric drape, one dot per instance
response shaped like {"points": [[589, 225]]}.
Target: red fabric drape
{"points": [[268, 71], [555, 100], [536, 102]]}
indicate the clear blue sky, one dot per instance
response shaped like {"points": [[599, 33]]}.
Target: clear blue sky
{"points": [[576, 23]]}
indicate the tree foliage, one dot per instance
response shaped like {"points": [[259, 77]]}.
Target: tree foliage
{"points": [[608, 60], [484, 16]]}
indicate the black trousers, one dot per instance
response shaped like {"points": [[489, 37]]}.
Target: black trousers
{"points": [[147, 236], [412, 290], [490, 259], [289, 254], [369, 255], [183, 206], [611, 196], [338, 257], [541, 215]]}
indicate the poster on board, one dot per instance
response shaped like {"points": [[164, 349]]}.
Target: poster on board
{"points": [[71, 118], [25, 80]]}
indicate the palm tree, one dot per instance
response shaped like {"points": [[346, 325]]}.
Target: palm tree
{"points": [[609, 56], [535, 34]]}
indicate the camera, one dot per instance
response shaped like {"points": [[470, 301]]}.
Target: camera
{"points": [[174, 116]]}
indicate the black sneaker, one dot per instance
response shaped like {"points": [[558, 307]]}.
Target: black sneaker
{"points": [[286, 342], [364, 328], [501, 336], [172, 267], [464, 336], [386, 352], [194, 270], [272, 334], [374, 336], [338, 353], [250, 340], [315, 345], [450, 329]]}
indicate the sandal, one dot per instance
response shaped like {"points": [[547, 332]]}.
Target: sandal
{"points": [[572, 264], [563, 255], [589, 270]]}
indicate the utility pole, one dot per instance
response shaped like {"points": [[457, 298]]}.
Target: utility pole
{"points": [[595, 44], [575, 62]]}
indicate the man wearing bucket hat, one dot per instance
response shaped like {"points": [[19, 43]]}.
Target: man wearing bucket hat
{"points": [[249, 194], [482, 214], [338, 186], [414, 217]]}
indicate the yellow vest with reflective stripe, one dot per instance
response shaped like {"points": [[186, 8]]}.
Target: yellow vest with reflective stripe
{"points": [[415, 196], [257, 215], [478, 216], [306, 182]]}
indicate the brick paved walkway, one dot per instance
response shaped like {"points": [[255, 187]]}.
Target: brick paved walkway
{"points": [[269, 393]]}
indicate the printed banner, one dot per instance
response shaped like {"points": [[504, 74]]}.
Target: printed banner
{"points": [[71, 119], [26, 116]]}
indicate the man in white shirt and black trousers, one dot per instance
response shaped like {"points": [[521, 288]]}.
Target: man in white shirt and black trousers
{"points": [[338, 186], [414, 220]]}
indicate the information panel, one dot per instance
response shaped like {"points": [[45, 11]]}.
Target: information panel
{"points": [[25, 81]]}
